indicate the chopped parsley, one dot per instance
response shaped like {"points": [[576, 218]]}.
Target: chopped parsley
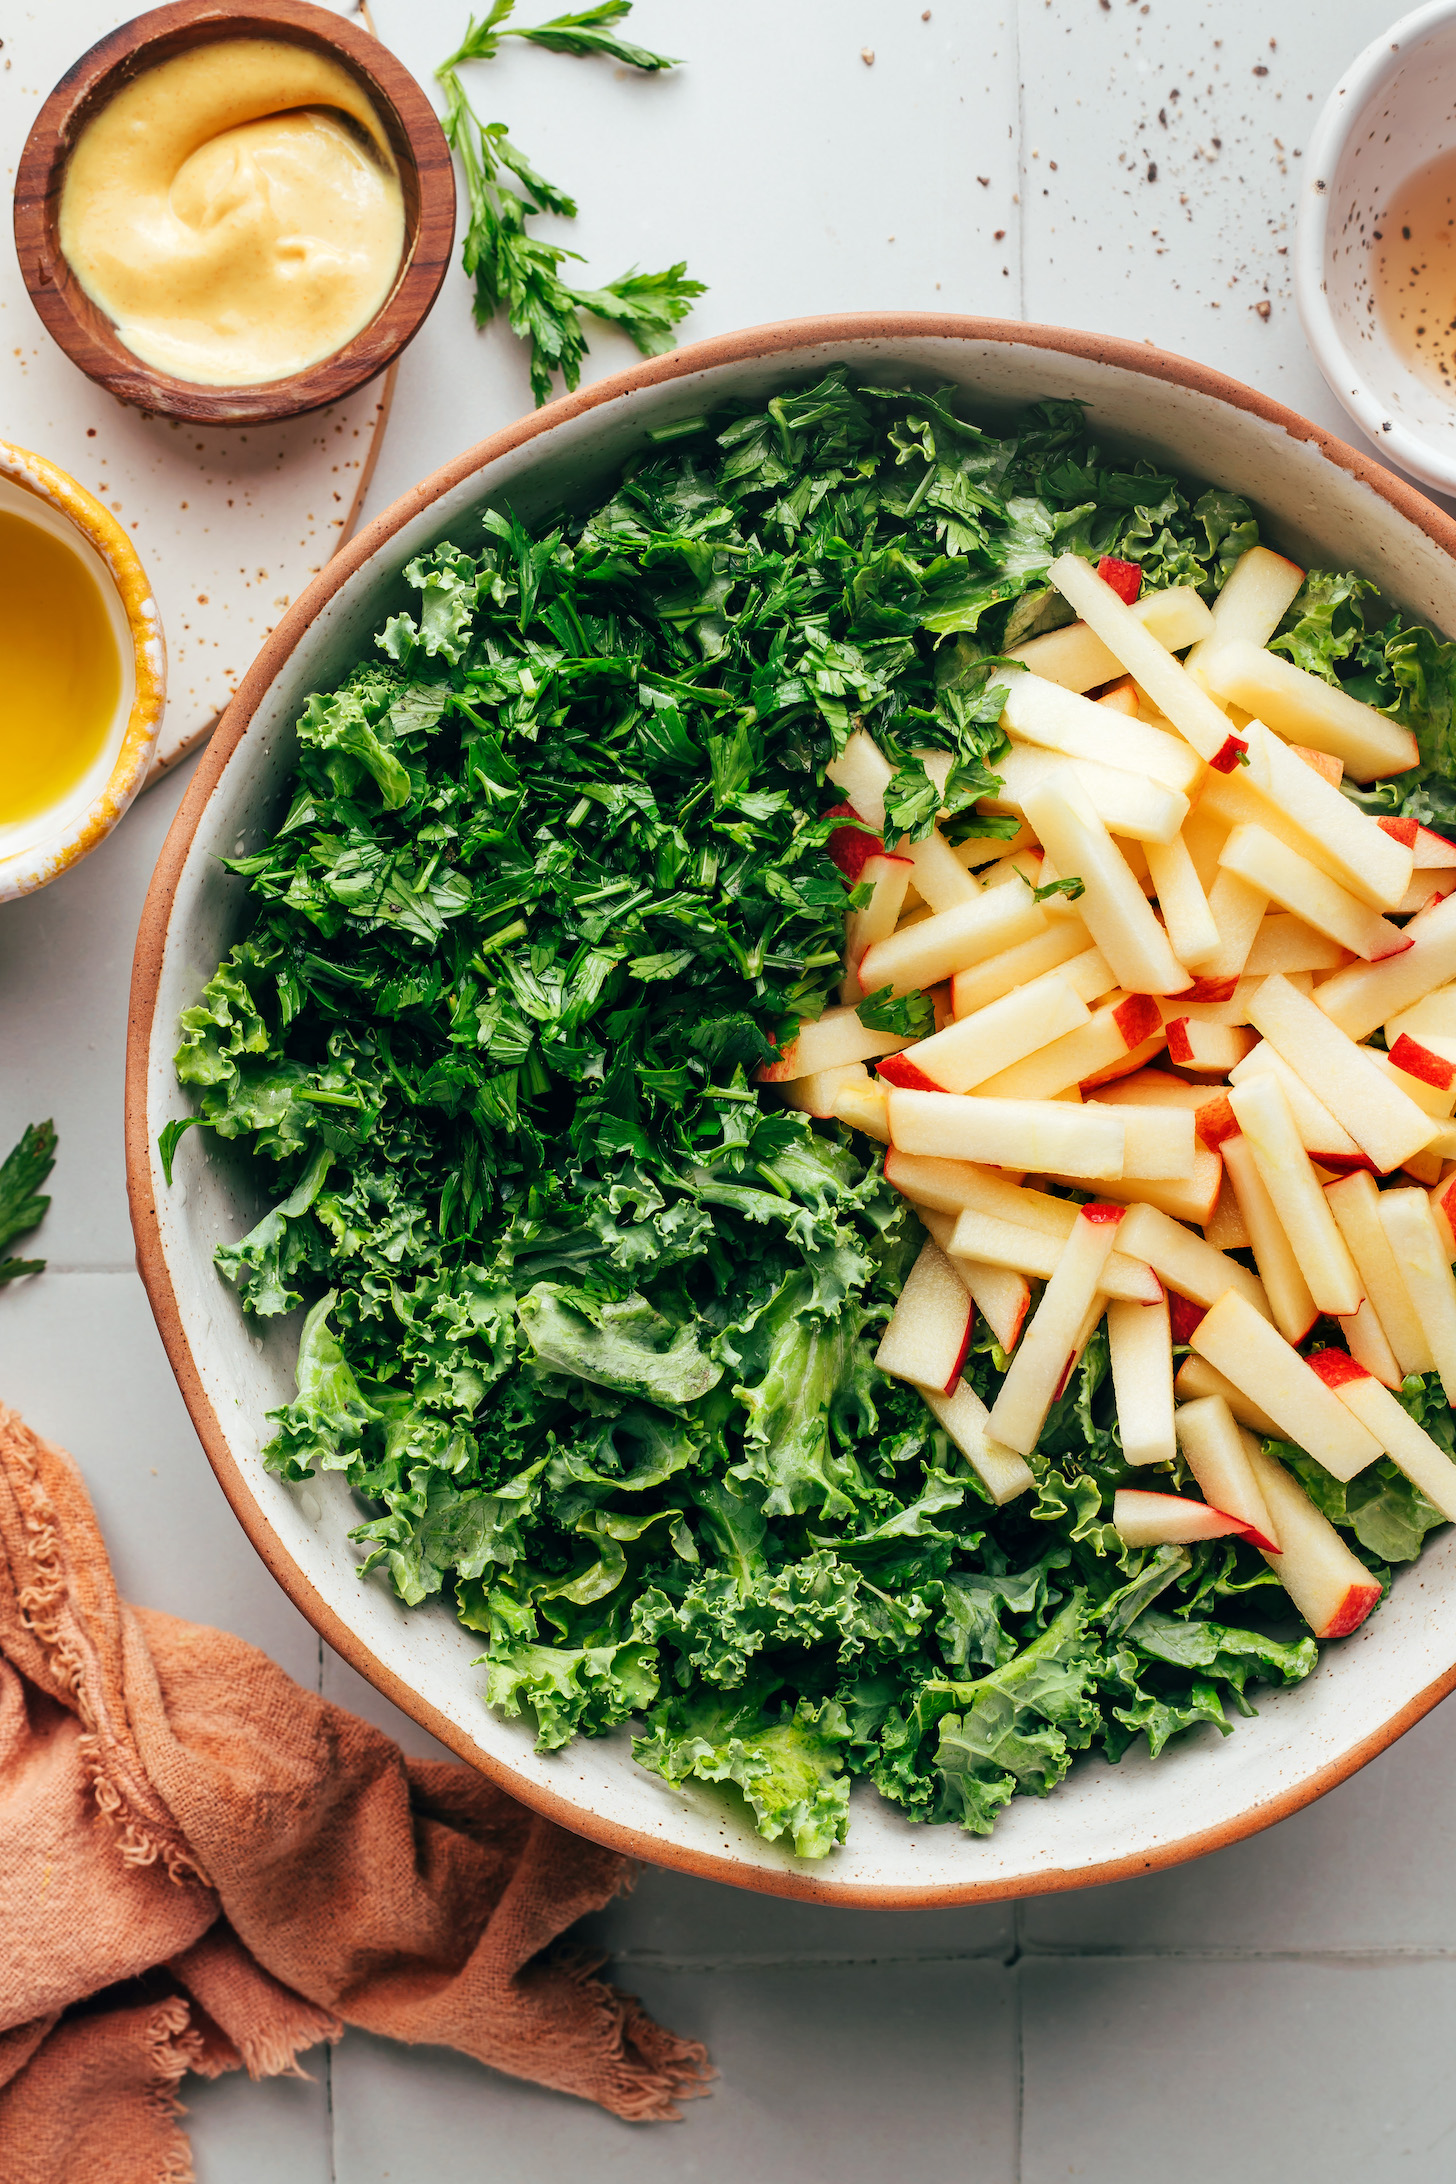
{"points": [[590, 1326]]}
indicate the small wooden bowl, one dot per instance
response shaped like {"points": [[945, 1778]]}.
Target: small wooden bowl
{"points": [[86, 334]]}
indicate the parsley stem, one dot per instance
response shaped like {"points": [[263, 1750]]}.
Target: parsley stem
{"points": [[912, 506], [516, 930], [613, 887]]}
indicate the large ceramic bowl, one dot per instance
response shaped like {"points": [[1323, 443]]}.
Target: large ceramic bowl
{"points": [[1317, 500]]}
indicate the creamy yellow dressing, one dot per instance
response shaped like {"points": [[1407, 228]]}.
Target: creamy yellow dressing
{"points": [[236, 212], [62, 670]]}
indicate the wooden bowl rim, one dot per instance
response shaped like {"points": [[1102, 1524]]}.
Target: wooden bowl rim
{"points": [[781, 338], [75, 323]]}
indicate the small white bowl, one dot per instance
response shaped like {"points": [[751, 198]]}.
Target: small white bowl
{"points": [[41, 850], [1391, 112]]}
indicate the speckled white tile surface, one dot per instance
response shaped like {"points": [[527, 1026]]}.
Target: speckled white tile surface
{"points": [[1282, 2010], [230, 525], [1317, 2068]]}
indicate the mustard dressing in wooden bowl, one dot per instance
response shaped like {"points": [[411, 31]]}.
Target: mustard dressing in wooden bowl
{"points": [[235, 216]]}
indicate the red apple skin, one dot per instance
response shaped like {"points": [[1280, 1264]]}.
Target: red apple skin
{"points": [[1123, 577], [781, 1071], [1344, 1163], [1400, 830], [1119, 696], [1428, 911], [1352, 1611], [1137, 1018], [1433, 850], [950, 1386], [898, 1069], [1418, 1061], [1335, 1367], [1402, 942], [1130, 1063], [1217, 1524], [851, 848], [1216, 1121], [1207, 989], [1180, 1047], [1227, 756], [1066, 1376], [1183, 1316], [1101, 1213]]}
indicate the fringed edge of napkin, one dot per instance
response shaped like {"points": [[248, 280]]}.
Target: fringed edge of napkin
{"points": [[145, 1831], [649, 2069]]}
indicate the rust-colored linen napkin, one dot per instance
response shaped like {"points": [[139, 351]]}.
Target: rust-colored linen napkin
{"points": [[204, 1867]]}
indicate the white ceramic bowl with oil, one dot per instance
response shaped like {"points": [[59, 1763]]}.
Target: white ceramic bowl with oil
{"points": [[39, 848], [1317, 500], [1392, 112]]}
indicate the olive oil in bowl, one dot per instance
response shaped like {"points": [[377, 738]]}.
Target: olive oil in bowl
{"points": [[60, 669], [1413, 273]]}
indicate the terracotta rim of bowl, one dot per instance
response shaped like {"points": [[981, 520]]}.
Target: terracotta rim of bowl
{"points": [[755, 342], [55, 851], [83, 331]]}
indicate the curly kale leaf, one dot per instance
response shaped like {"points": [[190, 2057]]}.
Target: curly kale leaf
{"points": [[1387, 1513], [1325, 625], [263, 1264], [326, 1422], [624, 1345], [571, 1691], [789, 1767], [1021, 1724]]}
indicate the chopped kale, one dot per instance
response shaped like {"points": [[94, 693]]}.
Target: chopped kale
{"points": [[590, 1326]]}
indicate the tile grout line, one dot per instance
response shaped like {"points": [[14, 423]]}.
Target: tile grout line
{"points": [[1019, 2037], [1212, 1953], [805, 1960], [1020, 206], [649, 1960], [329, 2111]]}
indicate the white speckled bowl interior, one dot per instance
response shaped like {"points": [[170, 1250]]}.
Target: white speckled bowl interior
{"points": [[1392, 112], [1317, 500]]}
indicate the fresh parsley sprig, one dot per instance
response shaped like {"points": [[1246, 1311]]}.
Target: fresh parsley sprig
{"points": [[517, 271], [583, 34], [22, 1206]]}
